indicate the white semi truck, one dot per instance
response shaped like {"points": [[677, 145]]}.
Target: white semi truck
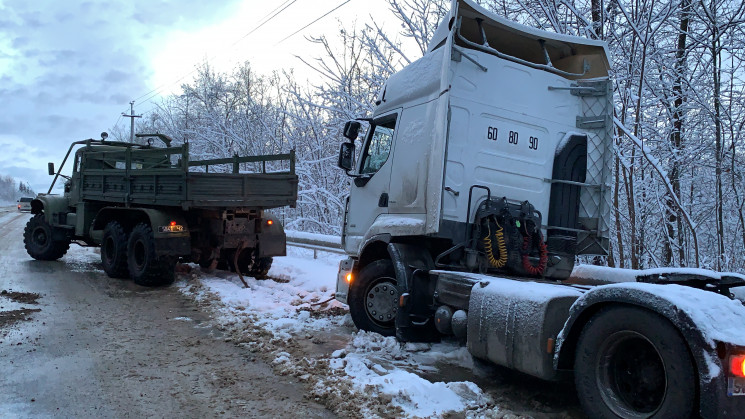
{"points": [[483, 173]]}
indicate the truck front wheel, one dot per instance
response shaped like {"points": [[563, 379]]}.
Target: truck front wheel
{"points": [[38, 237], [145, 268], [633, 363], [114, 251], [373, 298]]}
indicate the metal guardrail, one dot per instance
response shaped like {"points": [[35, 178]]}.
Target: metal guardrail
{"points": [[317, 243]]}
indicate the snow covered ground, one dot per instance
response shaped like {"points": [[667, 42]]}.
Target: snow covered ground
{"points": [[353, 372], [291, 321]]}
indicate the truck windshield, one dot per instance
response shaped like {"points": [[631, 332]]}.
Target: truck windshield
{"points": [[379, 146]]}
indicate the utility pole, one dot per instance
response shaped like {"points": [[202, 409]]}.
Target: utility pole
{"points": [[132, 117]]}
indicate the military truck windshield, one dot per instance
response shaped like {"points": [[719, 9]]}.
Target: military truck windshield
{"points": [[378, 148]]}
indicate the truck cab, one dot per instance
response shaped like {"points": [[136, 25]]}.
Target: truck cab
{"points": [[483, 173], [498, 137]]}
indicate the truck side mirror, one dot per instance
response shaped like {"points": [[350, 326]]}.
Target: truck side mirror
{"points": [[352, 130], [346, 155], [50, 168]]}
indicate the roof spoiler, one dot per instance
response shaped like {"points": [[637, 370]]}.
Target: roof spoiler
{"points": [[473, 27]]}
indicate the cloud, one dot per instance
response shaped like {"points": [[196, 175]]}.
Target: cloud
{"points": [[68, 69]]}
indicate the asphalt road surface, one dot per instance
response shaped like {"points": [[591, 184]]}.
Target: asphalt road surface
{"points": [[75, 343]]}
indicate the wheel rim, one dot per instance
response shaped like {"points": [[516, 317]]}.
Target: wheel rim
{"points": [[381, 301], [40, 236], [108, 249], [631, 375], [139, 254]]}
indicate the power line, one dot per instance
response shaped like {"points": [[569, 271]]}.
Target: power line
{"points": [[256, 28], [274, 13], [326, 14], [113, 127]]}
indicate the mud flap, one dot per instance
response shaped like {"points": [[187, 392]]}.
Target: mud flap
{"points": [[415, 316]]}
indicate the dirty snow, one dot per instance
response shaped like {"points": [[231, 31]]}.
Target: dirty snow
{"points": [[281, 305], [368, 375], [381, 366]]}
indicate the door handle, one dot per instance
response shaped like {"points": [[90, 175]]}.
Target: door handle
{"points": [[383, 201]]}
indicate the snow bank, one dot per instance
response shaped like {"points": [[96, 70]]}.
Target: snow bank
{"points": [[377, 366], [282, 305], [370, 376]]}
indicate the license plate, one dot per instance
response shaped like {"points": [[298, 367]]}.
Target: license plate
{"points": [[171, 229], [736, 386]]}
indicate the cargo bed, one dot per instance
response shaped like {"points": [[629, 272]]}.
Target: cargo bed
{"points": [[166, 177]]}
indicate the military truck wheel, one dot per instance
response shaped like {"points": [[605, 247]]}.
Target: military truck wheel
{"points": [[145, 268], [632, 363], [205, 261], [38, 237], [251, 265], [114, 251], [260, 267], [373, 298]]}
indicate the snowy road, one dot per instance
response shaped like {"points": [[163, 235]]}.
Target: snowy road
{"points": [[207, 347], [96, 347]]}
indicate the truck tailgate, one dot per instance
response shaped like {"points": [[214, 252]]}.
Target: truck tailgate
{"points": [[254, 190]]}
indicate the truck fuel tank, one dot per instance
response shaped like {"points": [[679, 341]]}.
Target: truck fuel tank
{"points": [[514, 323]]}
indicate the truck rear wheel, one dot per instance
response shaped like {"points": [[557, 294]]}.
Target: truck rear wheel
{"points": [[249, 264], [373, 298], [114, 251], [633, 363], [38, 237], [145, 268], [260, 267]]}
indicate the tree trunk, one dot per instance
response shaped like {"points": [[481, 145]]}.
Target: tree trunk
{"points": [[597, 18], [716, 79], [672, 213]]}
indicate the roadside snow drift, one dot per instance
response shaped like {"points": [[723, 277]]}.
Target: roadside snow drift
{"points": [[357, 373]]}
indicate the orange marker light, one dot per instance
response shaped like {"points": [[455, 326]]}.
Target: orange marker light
{"points": [[349, 278], [269, 222], [737, 365], [173, 223]]}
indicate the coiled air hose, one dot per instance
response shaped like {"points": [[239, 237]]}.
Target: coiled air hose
{"points": [[542, 255], [501, 246]]}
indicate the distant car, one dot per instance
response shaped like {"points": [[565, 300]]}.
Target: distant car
{"points": [[24, 204]]}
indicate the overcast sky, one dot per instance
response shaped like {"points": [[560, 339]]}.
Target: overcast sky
{"points": [[69, 69]]}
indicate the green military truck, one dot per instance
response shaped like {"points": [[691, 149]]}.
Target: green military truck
{"points": [[149, 207]]}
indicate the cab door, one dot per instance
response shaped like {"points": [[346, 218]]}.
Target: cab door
{"points": [[368, 197]]}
